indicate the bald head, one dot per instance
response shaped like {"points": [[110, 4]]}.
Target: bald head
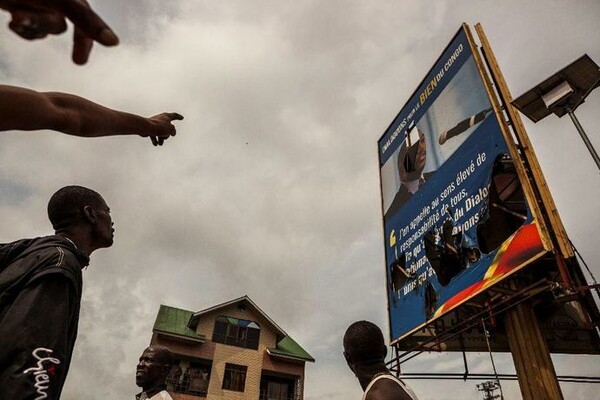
{"points": [[162, 354], [364, 343], [65, 207], [154, 366]]}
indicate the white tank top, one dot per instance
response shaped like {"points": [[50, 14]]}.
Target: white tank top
{"points": [[392, 377]]}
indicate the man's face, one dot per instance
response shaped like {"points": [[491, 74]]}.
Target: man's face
{"points": [[105, 230], [412, 162], [150, 372]]}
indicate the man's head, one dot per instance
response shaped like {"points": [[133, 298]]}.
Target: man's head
{"points": [[364, 344], [154, 366], [412, 157], [76, 208]]}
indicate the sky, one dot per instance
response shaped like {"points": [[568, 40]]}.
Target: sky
{"points": [[271, 188]]}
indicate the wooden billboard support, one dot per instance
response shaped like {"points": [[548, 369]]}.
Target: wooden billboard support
{"points": [[535, 371], [550, 218]]}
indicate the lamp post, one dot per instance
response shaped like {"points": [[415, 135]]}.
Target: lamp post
{"points": [[584, 137], [561, 94]]}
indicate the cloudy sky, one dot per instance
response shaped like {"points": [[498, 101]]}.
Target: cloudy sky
{"points": [[271, 186]]}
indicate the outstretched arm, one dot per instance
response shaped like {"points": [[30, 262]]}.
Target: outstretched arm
{"points": [[24, 109]]}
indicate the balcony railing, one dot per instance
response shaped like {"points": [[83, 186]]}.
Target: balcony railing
{"points": [[194, 386], [277, 390], [264, 396]]}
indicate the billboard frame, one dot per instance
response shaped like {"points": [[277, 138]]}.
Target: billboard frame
{"points": [[551, 230], [529, 194]]}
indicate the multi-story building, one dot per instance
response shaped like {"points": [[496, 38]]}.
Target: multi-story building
{"points": [[230, 351]]}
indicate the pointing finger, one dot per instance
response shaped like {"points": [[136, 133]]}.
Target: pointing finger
{"points": [[175, 116], [83, 17], [82, 46]]}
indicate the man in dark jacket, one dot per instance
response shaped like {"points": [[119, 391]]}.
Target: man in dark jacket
{"points": [[40, 294]]}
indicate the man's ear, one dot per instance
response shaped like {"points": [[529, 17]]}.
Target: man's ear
{"points": [[166, 370], [89, 213], [348, 357], [349, 361]]}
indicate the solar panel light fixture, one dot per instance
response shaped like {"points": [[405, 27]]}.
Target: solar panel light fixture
{"points": [[557, 94], [561, 94]]}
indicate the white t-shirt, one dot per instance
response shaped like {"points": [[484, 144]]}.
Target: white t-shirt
{"points": [[405, 387], [162, 395]]}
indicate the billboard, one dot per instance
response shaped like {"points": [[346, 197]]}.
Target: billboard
{"points": [[456, 220]]}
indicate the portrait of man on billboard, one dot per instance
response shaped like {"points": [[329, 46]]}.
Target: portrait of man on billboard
{"points": [[432, 138], [410, 163]]}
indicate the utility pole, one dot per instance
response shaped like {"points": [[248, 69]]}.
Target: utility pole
{"points": [[489, 390]]}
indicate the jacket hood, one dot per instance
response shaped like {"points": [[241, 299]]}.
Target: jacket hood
{"points": [[9, 252]]}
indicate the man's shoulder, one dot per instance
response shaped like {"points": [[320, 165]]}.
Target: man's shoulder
{"points": [[29, 259], [11, 251], [162, 395], [388, 388], [55, 251]]}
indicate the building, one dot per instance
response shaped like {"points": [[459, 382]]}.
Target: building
{"points": [[230, 351]]}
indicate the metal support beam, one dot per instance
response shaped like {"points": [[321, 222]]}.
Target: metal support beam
{"points": [[584, 137]]}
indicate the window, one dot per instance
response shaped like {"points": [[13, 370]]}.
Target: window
{"points": [[278, 387], [235, 377], [236, 332], [277, 391]]}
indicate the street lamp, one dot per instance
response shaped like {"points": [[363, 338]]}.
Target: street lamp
{"points": [[561, 94]]}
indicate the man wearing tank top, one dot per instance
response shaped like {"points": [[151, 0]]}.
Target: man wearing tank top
{"points": [[365, 351]]}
